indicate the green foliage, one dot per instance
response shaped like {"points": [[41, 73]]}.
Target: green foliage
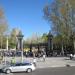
{"points": [[45, 37], [3, 29], [13, 38]]}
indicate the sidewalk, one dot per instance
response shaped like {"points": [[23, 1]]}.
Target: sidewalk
{"points": [[54, 62], [50, 62]]}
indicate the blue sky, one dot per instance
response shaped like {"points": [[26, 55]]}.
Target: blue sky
{"points": [[27, 15]]}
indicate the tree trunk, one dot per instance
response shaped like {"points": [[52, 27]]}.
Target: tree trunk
{"points": [[74, 46], [1, 42]]}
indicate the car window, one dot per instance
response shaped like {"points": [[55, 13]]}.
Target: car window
{"points": [[18, 64], [26, 64]]}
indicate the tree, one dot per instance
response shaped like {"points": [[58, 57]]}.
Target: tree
{"points": [[61, 14], [34, 39], [3, 27], [44, 37], [12, 38]]}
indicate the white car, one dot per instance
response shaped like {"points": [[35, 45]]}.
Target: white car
{"points": [[19, 67]]}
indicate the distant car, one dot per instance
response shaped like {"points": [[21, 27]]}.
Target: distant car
{"points": [[19, 67]]}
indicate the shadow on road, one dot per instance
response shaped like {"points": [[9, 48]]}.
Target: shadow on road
{"points": [[67, 59]]}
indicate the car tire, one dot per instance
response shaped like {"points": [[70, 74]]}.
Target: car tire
{"points": [[29, 70], [8, 71]]}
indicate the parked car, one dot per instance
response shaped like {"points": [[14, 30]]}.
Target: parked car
{"points": [[19, 67]]}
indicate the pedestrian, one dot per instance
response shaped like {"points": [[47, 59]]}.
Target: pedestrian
{"points": [[34, 61], [44, 56], [71, 56], [26, 54], [13, 61]]}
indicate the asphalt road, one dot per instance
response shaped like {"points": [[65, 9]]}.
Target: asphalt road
{"points": [[48, 71]]}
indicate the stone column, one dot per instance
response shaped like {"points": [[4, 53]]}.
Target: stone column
{"points": [[20, 44], [50, 43]]}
